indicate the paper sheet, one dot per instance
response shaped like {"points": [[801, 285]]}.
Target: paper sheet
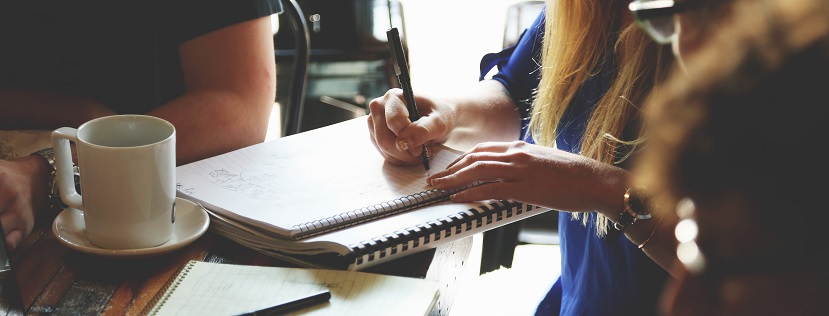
{"points": [[206, 288], [302, 178]]}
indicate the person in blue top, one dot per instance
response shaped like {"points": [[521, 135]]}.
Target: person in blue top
{"points": [[559, 136], [578, 130]]}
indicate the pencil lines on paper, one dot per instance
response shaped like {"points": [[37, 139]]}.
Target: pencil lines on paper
{"points": [[254, 179], [254, 184]]}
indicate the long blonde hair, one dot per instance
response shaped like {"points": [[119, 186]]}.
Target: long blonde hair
{"points": [[580, 36]]}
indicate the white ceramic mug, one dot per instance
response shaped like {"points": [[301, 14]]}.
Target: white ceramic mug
{"points": [[127, 170]]}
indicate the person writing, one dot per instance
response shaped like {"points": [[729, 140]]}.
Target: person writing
{"points": [[751, 239], [578, 130], [208, 68], [601, 274]]}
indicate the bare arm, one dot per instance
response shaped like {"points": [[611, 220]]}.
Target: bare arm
{"points": [[230, 80], [661, 246], [557, 180], [485, 113], [230, 89]]}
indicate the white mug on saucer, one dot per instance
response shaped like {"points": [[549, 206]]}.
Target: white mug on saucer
{"points": [[127, 170]]}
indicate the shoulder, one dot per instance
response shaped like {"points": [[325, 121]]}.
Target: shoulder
{"points": [[192, 18]]}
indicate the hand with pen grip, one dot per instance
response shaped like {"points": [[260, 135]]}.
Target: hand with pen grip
{"points": [[401, 69], [401, 122], [398, 139]]}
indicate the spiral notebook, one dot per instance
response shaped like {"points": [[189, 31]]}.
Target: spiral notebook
{"points": [[210, 288], [329, 192]]}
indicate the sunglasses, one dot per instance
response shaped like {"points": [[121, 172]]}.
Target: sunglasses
{"points": [[656, 17]]}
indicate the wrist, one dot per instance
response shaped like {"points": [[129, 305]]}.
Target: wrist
{"points": [[638, 205], [38, 173], [609, 199], [51, 200]]}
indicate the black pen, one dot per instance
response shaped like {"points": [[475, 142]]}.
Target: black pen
{"points": [[312, 299], [401, 69]]}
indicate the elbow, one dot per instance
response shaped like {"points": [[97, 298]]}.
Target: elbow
{"points": [[260, 103]]}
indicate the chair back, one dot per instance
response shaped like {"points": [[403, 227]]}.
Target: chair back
{"points": [[292, 113]]}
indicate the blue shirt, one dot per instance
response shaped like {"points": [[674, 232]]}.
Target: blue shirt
{"points": [[599, 276]]}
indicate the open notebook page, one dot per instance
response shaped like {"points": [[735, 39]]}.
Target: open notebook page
{"points": [[303, 178]]}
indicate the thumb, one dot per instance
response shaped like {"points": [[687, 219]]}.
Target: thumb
{"points": [[427, 129], [13, 239]]}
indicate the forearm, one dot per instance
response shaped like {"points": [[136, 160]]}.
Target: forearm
{"points": [[655, 235], [485, 112], [662, 243], [30, 109], [605, 195]]}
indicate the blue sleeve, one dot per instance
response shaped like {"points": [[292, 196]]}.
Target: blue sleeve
{"points": [[518, 66]]}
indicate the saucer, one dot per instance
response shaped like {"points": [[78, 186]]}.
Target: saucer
{"points": [[191, 222]]}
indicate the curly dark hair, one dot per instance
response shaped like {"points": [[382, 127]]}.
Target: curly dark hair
{"points": [[750, 119]]}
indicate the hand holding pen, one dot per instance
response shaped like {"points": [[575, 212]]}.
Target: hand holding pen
{"points": [[401, 69]]}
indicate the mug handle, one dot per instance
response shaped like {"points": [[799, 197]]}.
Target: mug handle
{"points": [[63, 160]]}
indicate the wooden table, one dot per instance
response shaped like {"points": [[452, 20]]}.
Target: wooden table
{"points": [[56, 280]]}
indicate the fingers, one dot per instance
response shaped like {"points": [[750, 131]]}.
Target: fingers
{"points": [[17, 193], [428, 127], [15, 227], [389, 158], [494, 151], [13, 240], [497, 166], [383, 133], [396, 111], [486, 191], [409, 135], [478, 167], [390, 111], [397, 138]]}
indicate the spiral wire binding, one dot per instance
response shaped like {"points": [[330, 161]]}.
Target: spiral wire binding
{"points": [[424, 233], [168, 288], [396, 206]]}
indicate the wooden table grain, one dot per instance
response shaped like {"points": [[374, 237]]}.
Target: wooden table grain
{"points": [[56, 280]]}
